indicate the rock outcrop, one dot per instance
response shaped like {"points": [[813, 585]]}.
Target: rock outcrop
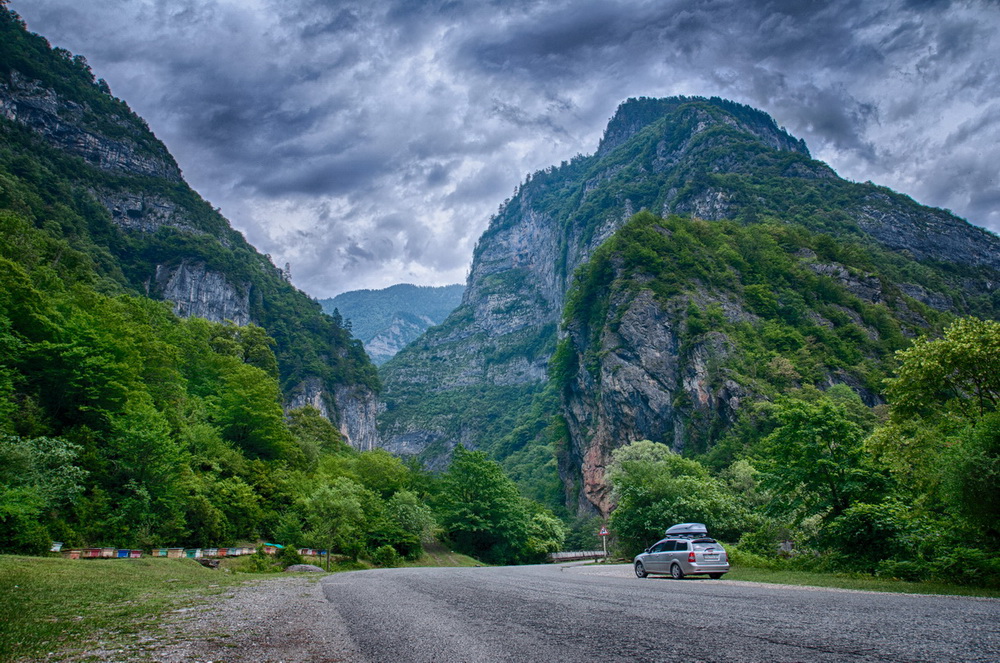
{"points": [[197, 291], [63, 123]]}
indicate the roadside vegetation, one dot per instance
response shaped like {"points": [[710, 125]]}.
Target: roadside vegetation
{"points": [[908, 492]]}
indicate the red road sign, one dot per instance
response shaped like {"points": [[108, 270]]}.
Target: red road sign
{"points": [[604, 531]]}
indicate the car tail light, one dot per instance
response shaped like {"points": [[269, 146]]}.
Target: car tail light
{"points": [[691, 557]]}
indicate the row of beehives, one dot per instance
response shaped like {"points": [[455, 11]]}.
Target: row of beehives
{"points": [[180, 553]]}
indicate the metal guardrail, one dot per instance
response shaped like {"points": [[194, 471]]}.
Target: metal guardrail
{"points": [[575, 555]]}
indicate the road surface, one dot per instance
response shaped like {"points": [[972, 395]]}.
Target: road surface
{"points": [[594, 613]]}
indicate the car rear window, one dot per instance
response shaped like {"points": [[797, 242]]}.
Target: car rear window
{"points": [[705, 545]]}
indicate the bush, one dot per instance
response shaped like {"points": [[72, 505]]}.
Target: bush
{"points": [[289, 556], [260, 562], [967, 566], [902, 570], [386, 556], [745, 558]]}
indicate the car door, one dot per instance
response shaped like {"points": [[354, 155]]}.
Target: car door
{"points": [[678, 553], [656, 558]]}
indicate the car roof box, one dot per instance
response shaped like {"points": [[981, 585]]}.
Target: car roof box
{"points": [[687, 529]]}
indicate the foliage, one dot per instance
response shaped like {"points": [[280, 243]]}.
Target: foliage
{"points": [[957, 374], [655, 488], [386, 556], [483, 515], [815, 458]]}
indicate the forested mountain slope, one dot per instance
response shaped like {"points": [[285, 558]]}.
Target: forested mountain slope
{"points": [[83, 169], [673, 323], [129, 421]]}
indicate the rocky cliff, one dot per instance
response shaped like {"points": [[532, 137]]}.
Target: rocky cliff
{"points": [[149, 233], [638, 372]]}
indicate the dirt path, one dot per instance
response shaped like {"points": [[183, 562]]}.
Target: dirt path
{"points": [[284, 619]]}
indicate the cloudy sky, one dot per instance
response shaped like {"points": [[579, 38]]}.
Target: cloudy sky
{"points": [[367, 143]]}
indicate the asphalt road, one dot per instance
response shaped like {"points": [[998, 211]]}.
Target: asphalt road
{"points": [[560, 613]]}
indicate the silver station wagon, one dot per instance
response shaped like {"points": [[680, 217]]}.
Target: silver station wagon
{"points": [[687, 550]]}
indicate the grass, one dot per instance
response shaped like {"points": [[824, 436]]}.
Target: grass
{"points": [[54, 604], [436, 554], [854, 581]]}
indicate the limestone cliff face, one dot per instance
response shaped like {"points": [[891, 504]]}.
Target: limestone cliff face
{"points": [[354, 408], [64, 123], [357, 408], [197, 291], [645, 388]]}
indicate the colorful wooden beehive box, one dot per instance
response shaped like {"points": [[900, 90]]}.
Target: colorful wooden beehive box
{"points": [[175, 553]]}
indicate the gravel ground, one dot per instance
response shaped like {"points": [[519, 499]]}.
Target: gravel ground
{"points": [[284, 619], [490, 615]]}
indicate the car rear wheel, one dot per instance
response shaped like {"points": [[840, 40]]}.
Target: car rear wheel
{"points": [[640, 570], [675, 572], [714, 576]]}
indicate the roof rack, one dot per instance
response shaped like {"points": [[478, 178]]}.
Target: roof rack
{"points": [[687, 530]]}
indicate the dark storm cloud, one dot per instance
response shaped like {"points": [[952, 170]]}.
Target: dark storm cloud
{"points": [[368, 142]]}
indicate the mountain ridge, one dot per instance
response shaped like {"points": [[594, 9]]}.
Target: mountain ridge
{"points": [[693, 157], [151, 234]]}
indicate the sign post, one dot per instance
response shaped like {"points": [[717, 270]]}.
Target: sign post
{"points": [[604, 541]]}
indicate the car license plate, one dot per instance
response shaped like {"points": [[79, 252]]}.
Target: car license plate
{"points": [[711, 558]]}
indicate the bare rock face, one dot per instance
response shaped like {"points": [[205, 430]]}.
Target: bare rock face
{"points": [[926, 233], [310, 392], [197, 291], [645, 387], [144, 212], [63, 124], [357, 408]]}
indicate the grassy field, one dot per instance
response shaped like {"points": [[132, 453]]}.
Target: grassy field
{"points": [[844, 581], [51, 604]]}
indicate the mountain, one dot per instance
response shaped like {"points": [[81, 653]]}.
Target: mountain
{"points": [[387, 320], [698, 261], [89, 173]]}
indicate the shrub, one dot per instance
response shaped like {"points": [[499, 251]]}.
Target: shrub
{"points": [[386, 556], [289, 556]]}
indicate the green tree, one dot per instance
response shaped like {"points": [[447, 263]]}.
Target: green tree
{"points": [[957, 374], [483, 514], [655, 488], [37, 477], [815, 459], [335, 518]]}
